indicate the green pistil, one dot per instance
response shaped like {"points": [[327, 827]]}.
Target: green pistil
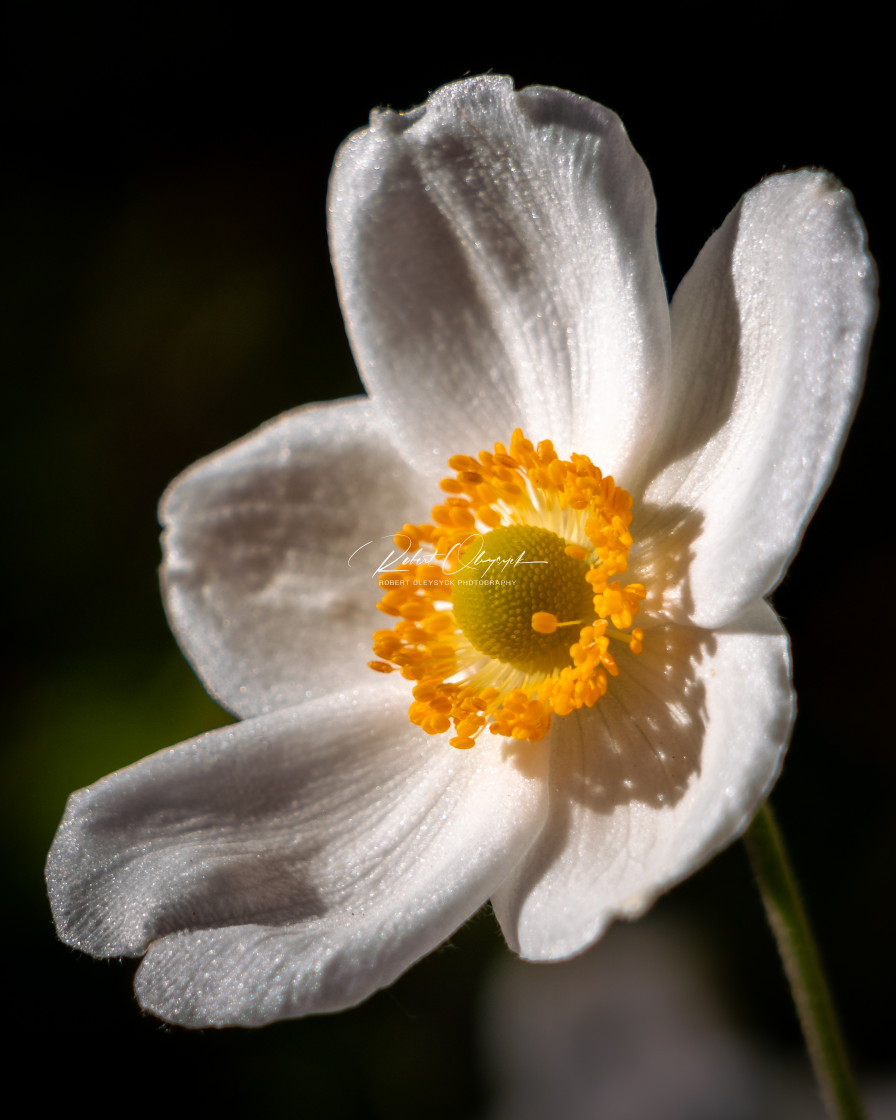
{"points": [[507, 576]]}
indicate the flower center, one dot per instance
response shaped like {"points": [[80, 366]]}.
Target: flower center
{"points": [[505, 604], [508, 576]]}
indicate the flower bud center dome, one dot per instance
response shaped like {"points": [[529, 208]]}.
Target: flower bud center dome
{"points": [[511, 574]]}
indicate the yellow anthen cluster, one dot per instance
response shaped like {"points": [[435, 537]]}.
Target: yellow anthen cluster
{"points": [[522, 540]]}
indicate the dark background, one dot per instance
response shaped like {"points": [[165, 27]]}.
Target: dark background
{"points": [[168, 289]]}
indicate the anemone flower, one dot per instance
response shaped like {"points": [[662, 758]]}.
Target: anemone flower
{"points": [[578, 693]]}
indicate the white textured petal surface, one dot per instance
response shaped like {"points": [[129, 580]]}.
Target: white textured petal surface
{"points": [[665, 770], [258, 538], [290, 864], [770, 334], [497, 264]]}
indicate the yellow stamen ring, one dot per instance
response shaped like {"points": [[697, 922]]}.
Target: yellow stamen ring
{"points": [[521, 540]]}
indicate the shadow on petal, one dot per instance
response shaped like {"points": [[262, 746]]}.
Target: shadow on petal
{"points": [[261, 888], [642, 741], [706, 360], [665, 549]]}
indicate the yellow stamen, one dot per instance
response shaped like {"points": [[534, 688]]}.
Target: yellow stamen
{"points": [[381, 666], [543, 622], [521, 539]]}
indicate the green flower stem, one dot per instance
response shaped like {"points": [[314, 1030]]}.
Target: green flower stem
{"points": [[796, 945]]}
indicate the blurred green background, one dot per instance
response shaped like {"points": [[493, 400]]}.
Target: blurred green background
{"points": [[168, 289]]}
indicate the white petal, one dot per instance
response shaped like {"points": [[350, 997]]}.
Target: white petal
{"points": [[669, 768], [770, 334], [257, 579], [292, 863], [497, 265]]}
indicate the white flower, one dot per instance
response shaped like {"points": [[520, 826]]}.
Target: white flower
{"points": [[496, 260]]}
